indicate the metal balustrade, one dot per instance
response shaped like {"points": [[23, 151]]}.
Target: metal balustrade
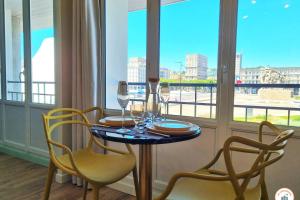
{"points": [[189, 93], [43, 92], [194, 95]]}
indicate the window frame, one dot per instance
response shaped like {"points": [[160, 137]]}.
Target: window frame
{"points": [[223, 123], [26, 13], [2, 52], [153, 58]]}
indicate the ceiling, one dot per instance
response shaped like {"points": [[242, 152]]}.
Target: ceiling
{"points": [[40, 6], [42, 10], [141, 4]]}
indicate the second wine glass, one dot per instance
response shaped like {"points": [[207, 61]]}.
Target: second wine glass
{"points": [[137, 113], [123, 99], [165, 96]]}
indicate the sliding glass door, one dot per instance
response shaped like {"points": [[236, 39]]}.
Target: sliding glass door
{"points": [[28, 80], [14, 50], [42, 52], [189, 56], [126, 26], [230, 65], [267, 75]]}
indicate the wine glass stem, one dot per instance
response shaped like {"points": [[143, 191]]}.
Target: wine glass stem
{"points": [[123, 113], [166, 112]]}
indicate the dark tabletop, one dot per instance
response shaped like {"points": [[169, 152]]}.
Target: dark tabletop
{"points": [[133, 137]]}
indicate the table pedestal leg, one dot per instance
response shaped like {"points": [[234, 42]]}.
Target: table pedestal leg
{"points": [[145, 172]]}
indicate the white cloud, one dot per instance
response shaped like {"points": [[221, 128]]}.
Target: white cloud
{"points": [[253, 1], [245, 17], [286, 5]]}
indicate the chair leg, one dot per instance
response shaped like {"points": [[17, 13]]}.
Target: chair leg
{"points": [[136, 183], [85, 187], [96, 192], [51, 170], [264, 191]]}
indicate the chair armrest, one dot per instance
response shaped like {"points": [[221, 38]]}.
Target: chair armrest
{"points": [[98, 117], [219, 153], [66, 149], [73, 162], [100, 112], [269, 125], [262, 148], [177, 176], [244, 150], [99, 144]]}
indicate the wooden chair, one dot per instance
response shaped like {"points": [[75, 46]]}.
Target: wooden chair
{"points": [[95, 168], [212, 184]]}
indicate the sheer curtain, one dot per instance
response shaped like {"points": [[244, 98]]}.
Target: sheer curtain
{"points": [[81, 21]]}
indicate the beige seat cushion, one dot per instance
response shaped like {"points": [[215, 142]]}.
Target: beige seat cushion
{"points": [[196, 189], [101, 168]]}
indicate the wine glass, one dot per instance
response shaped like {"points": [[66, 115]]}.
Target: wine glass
{"points": [[137, 113], [123, 99], [165, 95]]}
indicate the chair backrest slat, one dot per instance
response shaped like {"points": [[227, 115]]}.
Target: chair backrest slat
{"points": [[57, 118], [267, 155]]}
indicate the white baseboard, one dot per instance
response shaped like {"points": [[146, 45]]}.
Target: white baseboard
{"points": [[61, 177], [126, 185]]}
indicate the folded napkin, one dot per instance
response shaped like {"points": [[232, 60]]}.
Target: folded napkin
{"points": [[116, 121]]}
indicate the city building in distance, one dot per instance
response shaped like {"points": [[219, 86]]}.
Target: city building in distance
{"points": [[255, 74], [175, 75], [196, 67], [164, 73], [137, 69], [238, 65]]}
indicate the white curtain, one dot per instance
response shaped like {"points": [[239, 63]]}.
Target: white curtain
{"points": [[86, 58]]}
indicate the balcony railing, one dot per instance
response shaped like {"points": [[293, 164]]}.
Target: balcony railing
{"points": [[199, 100], [42, 92], [196, 100]]}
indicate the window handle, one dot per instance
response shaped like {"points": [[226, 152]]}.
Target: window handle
{"points": [[224, 73]]}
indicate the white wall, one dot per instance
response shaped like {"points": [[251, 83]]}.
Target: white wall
{"points": [[116, 48]]}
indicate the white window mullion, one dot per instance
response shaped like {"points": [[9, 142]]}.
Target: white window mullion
{"points": [[153, 38], [231, 56], [2, 51], [27, 67], [102, 67], [27, 49], [226, 68]]}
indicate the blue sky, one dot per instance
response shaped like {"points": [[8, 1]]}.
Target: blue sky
{"points": [[268, 32], [37, 37]]}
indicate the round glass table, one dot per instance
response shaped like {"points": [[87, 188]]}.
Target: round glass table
{"points": [[145, 139]]}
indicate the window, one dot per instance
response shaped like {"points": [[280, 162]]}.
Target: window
{"points": [[268, 46], [125, 49], [266, 61], [136, 74], [14, 50], [189, 56], [42, 52]]}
